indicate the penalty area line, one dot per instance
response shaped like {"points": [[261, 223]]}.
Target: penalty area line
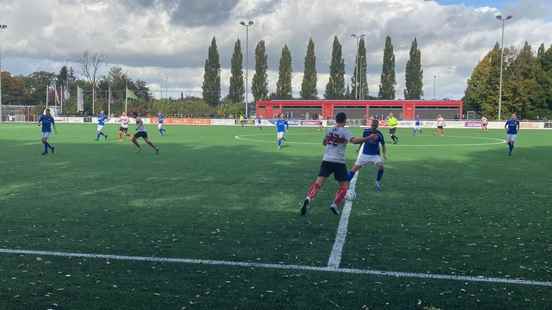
{"points": [[390, 274]]}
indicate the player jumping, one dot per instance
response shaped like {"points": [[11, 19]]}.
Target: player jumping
{"points": [[512, 129], [47, 122], [141, 132], [101, 124], [281, 128], [123, 128], [161, 124], [484, 124], [371, 153], [392, 122], [333, 162]]}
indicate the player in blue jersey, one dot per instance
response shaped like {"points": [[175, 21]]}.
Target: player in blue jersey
{"points": [[417, 130], [512, 129], [101, 124], [47, 122], [161, 124], [372, 152], [281, 128]]}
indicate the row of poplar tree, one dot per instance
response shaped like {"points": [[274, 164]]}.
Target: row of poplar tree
{"points": [[527, 83], [336, 87]]}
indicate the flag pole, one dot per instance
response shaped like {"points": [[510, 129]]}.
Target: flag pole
{"points": [[109, 101], [47, 90], [126, 97]]}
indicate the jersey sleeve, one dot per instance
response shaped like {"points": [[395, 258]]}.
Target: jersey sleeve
{"points": [[347, 135]]}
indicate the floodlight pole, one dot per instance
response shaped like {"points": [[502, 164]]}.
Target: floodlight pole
{"points": [[2, 28], [247, 25], [434, 86], [503, 20]]}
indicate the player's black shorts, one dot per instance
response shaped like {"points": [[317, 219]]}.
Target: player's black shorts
{"points": [[123, 129], [141, 134], [392, 131], [440, 127], [339, 171]]}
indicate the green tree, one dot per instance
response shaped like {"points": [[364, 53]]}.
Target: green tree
{"points": [[388, 82], [308, 87], [482, 90], [335, 89], [283, 86], [259, 86], [359, 82], [236, 91], [414, 74], [211, 77]]}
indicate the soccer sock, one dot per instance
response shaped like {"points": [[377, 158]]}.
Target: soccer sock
{"points": [[98, 135], [380, 175], [313, 190], [45, 147], [340, 195], [350, 175], [49, 146], [511, 147]]}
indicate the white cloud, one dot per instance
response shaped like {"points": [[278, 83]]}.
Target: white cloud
{"points": [[164, 38]]}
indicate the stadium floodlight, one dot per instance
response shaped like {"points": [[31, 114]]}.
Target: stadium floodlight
{"points": [[358, 77], [503, 20], [247, 24], [2, 28]]}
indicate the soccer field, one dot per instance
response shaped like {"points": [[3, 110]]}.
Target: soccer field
{"points": [[224, 204]]}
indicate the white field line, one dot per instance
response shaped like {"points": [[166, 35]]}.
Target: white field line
{"points": [[337, 250], [188, 261]]}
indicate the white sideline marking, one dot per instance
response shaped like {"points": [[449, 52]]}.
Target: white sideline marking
{"points": [[189, 261], [335, 257]]}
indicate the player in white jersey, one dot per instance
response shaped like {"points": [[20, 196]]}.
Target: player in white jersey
{"points": [[141, 132], [484, 124], [123, 127], [335, 143], [440, 125]]}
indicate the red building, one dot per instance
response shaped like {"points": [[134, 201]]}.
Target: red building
{"points": [[358, 109]]}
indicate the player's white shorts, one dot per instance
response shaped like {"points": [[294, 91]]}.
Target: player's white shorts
{"points": [[511, 138], [364, 160], [418, 127], [280, 135], [100, 128], [258, 124], [160, 126], [46, 135]]}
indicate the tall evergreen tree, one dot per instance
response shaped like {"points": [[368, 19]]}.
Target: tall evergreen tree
{"points": [[546, 60], [236, 91], [541, 51], [388, 82], [283, 86], [414, 74], [359, 89], [211, 77], [308, 87], [335, 89], [259, 87]]}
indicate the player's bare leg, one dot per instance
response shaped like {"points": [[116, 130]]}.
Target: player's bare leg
{"points": [[151, 144]]}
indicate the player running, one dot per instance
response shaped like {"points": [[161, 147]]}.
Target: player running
{"points": [[47, 122], [101, 124], [440, 125], [161, 124], [484, 124], [141, 132], [123, 128], [281, 127], [259, 123], [333, 162], [417, 130], [371, 153], [512, 129], [393, 122]]}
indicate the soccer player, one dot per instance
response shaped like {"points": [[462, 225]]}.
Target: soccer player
{"points": [[417, 130], [123, 128], [281, 128], [47, 122], [333, 162], [392, 122], [371, 153], [440, 125], [161, 124], [259, 123], [101, 124], [141, 132], [484, 124], [512, 129]]}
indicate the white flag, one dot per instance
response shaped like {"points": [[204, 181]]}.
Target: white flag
{"points": [[80, 100]]}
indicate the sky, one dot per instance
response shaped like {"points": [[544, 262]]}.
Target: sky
{"points": [[165, 42]]}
